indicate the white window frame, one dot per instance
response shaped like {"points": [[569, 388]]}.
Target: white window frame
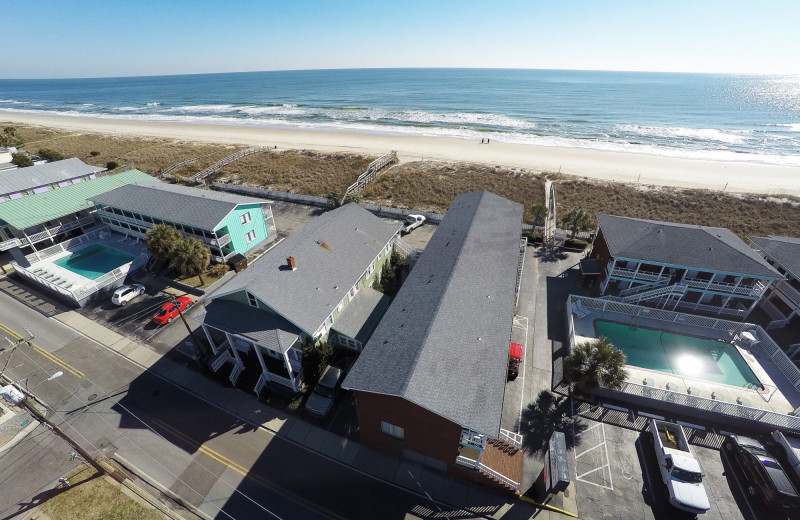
{"points": [[248, 236], [252, 300], [244, 218], [392, 430]]}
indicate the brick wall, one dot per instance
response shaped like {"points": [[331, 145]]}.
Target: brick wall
{"points": [[425, 432]]}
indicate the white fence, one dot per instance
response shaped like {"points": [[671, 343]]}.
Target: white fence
{"points": [[65, 245], [765, 343]]}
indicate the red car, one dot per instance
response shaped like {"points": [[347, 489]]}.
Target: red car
{"points": [[169, 311]]}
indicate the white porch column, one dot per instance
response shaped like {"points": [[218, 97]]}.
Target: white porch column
{"points": [[233, 349], [260, 357], [289, 369], [210, 340]]}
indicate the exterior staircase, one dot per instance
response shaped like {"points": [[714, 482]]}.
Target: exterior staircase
{"points": [[502, 459], [523, 244], [647, 293]]}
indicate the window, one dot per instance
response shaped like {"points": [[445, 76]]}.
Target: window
{"points": [[250, 236], [245, 218], [252, 300], [394, 431], [371, 268]]}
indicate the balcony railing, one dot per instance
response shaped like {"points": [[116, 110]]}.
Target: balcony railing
{"points": [[739, 313], [474, 439], [724, 287], [631, 274], [50, 232], [789, 291], [221, 241]]}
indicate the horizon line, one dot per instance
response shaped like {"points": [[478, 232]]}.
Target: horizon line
{"points": [[402, 68]]}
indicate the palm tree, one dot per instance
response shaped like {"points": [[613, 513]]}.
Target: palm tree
{"points": [[577, 220], [593, 364], [162, 240], [191, 258], [539, 213]]}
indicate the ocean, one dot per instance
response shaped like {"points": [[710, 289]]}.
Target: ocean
{"points": [[708, 116]]}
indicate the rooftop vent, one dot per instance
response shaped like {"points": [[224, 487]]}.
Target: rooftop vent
{"points": [[290, 263]]}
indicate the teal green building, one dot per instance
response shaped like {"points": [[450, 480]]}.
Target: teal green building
{"points": [[228, 224]]}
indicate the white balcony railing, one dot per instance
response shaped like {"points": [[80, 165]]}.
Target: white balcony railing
{"points": [[472, 438], [790, 292], [724, 287], [631, 274]]}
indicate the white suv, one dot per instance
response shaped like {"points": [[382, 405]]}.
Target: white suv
{"points": [[126, 293]]}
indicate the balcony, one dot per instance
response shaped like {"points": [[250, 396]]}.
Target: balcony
{"points": [[723, 287], [220, 241], [630, 274], [51, 232]]}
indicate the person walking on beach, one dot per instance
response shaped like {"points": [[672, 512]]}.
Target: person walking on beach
{"points": [[481, 141]]}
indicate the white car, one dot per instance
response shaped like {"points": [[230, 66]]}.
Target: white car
{"points": [[411, 223], [126, 293]]}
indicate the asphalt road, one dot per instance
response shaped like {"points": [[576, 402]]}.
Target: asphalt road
{"points": [[211, 459]]}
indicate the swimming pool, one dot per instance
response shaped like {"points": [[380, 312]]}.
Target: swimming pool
{"points": [[686, 356], [94, 261]]}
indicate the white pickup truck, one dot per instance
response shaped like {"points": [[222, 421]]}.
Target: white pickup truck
{"points": [[680, 471]]}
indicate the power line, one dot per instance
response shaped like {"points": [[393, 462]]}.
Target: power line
{"points": [[122, 434]]}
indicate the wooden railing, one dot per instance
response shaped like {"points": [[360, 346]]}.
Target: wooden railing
{"points": [[181, 164], [370, 173], [202, 174]]}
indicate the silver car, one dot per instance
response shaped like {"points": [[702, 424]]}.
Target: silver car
{"points": [[126, 293], [321, 399]]}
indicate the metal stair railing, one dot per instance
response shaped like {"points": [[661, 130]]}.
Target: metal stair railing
{"points": [[678, 289], [642, 288]]}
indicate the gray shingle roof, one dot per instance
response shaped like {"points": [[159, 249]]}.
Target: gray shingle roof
{"points": [[699, 247], [443, 344], [262, 327], [331, 254], [204, 209], [48, 173], [784, 250], [362, 315]]}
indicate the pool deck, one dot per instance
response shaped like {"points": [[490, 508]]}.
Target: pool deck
{"points": [[780, 396], [71, 280]]}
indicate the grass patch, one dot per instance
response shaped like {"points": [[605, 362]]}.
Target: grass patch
{"points": [[95, 499], [209, 277]]}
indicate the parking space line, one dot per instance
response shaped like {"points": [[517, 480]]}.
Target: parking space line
{"points": [[518, 323], [593, 470], [603, 445]]}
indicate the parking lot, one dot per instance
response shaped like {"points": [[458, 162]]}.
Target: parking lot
{"points": [[616, 473]]}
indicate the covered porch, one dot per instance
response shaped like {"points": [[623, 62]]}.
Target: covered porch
{"points": [[263, 348]]}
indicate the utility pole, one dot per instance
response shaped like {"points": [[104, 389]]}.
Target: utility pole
{"points": [[83, 453], [201, 348]]}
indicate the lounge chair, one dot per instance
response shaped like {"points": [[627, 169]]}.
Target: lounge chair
{"points": [[585, 311], [578, 312]]}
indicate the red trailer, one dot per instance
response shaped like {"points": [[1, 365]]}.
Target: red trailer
{"points": [[514, 358]]}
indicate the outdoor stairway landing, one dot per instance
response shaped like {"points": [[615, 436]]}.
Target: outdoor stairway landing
{"points": [[504, 458]]}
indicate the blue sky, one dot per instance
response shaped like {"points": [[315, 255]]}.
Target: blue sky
{"points": [[132, 38]]}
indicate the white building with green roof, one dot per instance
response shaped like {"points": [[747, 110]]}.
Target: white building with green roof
{"points": [[29, 224]]}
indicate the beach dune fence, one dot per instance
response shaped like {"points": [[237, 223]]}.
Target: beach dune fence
{"points": [[202, 174], [372, 170]]}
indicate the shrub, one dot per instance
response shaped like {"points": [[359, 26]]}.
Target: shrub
{"points": [[21, 159], [111, 165], [218, 270], [94, 153], [50, 155], [9, 137], [315, 357]]}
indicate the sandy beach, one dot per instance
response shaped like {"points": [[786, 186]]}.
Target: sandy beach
{"points": [[644, 169]]}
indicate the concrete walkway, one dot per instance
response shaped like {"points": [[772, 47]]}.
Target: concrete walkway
{"points": [[403, 473]]}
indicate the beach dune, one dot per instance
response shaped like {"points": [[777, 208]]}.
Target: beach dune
{"points": [[740, 177]]}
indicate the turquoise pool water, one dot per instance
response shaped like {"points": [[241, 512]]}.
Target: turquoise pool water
{"points": [[686, 356], [94, 261]]}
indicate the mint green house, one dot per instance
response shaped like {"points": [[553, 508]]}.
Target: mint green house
{"points": [[228, 224]]}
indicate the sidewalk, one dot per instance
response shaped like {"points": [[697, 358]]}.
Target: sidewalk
{"points": [[403, 473], [15, 425]]}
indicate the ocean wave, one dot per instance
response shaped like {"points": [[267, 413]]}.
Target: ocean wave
{"points": [[430, 126], [153, 104], [15, 102], [793, 127], [700, 134]]}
